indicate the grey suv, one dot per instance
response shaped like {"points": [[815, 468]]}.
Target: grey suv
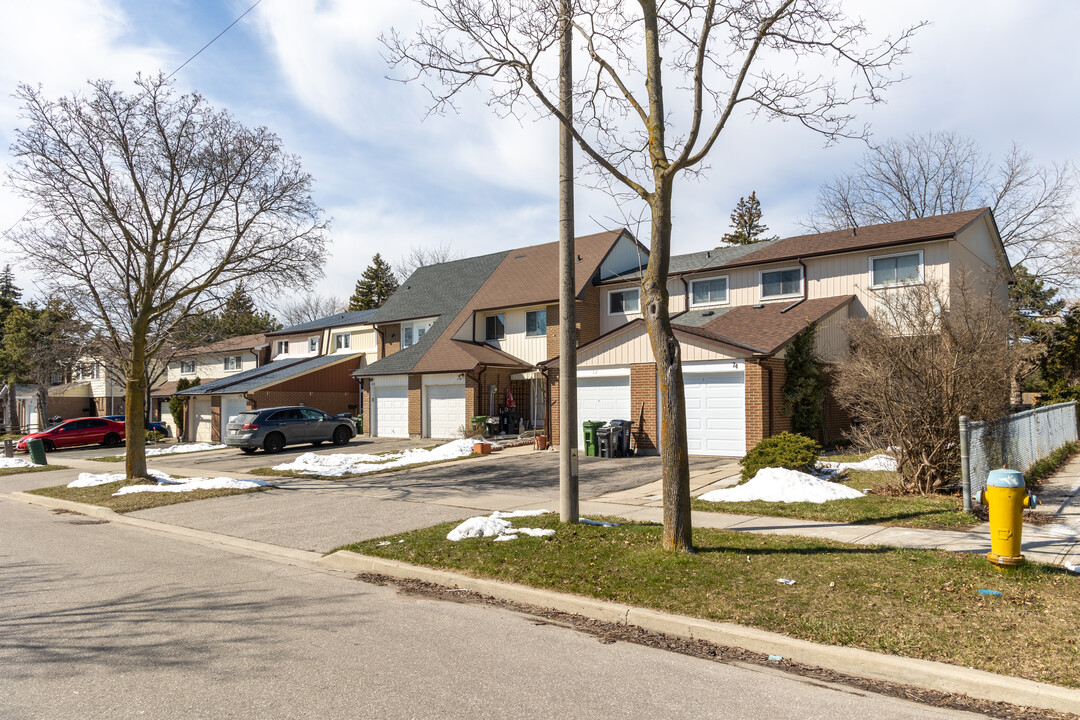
{"points": [[274, 428]]}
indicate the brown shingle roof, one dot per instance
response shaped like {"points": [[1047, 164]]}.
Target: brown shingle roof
{"points": [[872, 236], [767, 328], [240, 342], [448, 355]]}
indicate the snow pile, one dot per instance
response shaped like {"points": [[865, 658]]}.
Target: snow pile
{"points": [[92, 479], [782, 485], [8, 463], [353, 464], [877, 462], [185, 448], [497, 526]]}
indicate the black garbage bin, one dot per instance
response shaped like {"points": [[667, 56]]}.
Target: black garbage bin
{"points": [[622, 446], [603, 438]]}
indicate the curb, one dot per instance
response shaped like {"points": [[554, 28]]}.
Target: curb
{"points": [[103, 513], [925, 674]]}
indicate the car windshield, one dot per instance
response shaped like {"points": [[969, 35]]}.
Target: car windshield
{"points": [[244, 417]]}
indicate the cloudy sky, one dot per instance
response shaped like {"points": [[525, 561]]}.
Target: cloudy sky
{"points": [[313, 71]]}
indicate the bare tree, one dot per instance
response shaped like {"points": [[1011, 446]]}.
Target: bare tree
{"points": [[309, 307], [944, 172], [418, 257], [151, 206], [929, 355], [716, 57]]}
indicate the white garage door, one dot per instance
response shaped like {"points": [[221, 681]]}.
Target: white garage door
{"points": [[200, 419], [390, 411], [715, 413], [445, 410], [603, 399], [231, 405]]}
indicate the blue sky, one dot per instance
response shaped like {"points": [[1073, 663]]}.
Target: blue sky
{"points": [[312, 71]]}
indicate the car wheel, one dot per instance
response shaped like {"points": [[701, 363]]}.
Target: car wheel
{"points": [[47, 445], [341, 435], [247, 451], [274, 443], [111, 439]]}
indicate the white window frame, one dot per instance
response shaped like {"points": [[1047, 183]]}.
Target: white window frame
{"points": [[761, 283], [536, 335], [239, 363], [184, 363], [494, 315], [623, 313], [281, 347], [906, 283], [313, 344], [727, 291], [342, 341]]}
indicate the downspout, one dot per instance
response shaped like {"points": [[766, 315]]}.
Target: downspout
{"points": [[769, 375], [805, 289], [686, 294]]}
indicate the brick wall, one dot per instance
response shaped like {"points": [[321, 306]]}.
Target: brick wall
{"points": [[764, 413], [103, 406], [837, 419], [391, 339], [335, 403], [552, 331], [643, 407], [69, 407], [553, 405], [416, 426], [215, 418], [365, 404], [755, 417], [588, 315]]}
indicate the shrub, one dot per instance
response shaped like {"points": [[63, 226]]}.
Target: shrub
{"points": [[153, 437], [786, 450]]}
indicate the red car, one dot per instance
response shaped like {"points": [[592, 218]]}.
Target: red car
{"points": [[82, 431]]}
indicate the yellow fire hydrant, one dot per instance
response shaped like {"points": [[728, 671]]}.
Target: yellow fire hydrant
{"points": [[1006, 496]]}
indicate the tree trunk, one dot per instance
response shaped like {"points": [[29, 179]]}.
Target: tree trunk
{"points": [[135, 408], [672, 413], [43, 407]]}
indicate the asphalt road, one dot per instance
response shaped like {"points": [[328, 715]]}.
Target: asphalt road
{"points": [[102, 620]]}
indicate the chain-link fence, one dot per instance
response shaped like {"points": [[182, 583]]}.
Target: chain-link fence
{"points": [[1016, 441]]}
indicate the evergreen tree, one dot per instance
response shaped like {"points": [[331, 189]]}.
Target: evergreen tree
{"points": [[1034, 306], [374, 287], [239, 316], [176, 403], [746, 227], [1061, 364], [804, 389]]}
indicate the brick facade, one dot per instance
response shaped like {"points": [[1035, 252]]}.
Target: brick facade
{"points": [[389, 339], [645, 438], [215, 418], [334, 403], [416, 425], [70, 407]]}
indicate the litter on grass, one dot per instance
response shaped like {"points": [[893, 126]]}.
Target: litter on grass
{"points": [[989, 592], [8, 463], [358, 464], [785, 581], [782, 485], [587, 521], [876, 462], [498, 526], [776, 658], [1072, 568]]}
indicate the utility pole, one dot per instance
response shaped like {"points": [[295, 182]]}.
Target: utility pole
{"points": [[568, 459]]}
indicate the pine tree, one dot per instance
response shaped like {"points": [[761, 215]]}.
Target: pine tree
{"points": [[374, 287], [804, 388], [1061, 364], [746, 227], [240, 316], [10, 294]]}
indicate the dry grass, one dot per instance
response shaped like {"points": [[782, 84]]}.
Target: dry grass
{"points": [[36, 468], [103, 495]]}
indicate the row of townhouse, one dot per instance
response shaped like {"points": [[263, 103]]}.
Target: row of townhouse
{"points": [[457, 336], [479, 336]]}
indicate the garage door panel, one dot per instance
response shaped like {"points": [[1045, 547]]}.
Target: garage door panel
{"points": [[602, 399], [390, 411], [445, 410], [715, 413]]}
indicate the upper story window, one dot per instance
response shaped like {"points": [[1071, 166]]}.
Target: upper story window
{"points": [[187, 367], [313, 344], [536, 323], [88, 371], [342, 341], [282, 347], [710, 291], [233, 363], [412, 332], [897, 269], [495, 327], [621, 302], [785, 282]]}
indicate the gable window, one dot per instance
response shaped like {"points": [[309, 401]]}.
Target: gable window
{"points": [[406, 336], [536, 323], [711, 291], [624, 301], [282, 347], [313, 344], [412, 332], [342, 341], [232, 363], [187, 367], [495, 327], [786, 282], [898, 269]]}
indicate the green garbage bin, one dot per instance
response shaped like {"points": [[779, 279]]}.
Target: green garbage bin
{"points": [[592, 445], [37, 452]]}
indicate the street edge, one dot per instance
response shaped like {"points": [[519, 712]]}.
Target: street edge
{"points": [[857, 662]]}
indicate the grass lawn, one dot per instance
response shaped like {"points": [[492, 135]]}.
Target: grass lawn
{"points": [[103, 495], [915, 603], [120, 458], [36, 468], [271, 472], [916, 511]]}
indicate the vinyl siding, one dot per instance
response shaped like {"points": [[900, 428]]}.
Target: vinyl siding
{"points": [[633, 348], [529, 348]]}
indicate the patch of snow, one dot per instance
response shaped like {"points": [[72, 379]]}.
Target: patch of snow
{"points": [[877, 462], [356, 464], [7, 463], [782, 485], [185, 448], [189, 484], [498, 526], [92, 479]]}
